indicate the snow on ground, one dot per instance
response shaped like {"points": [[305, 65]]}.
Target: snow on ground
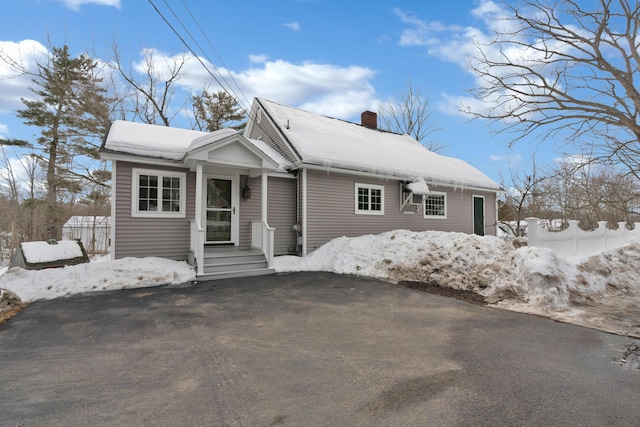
{"points": [[601, 292], [31, 285]]}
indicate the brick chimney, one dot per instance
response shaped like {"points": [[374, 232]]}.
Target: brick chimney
{"points": [[369, 119]]}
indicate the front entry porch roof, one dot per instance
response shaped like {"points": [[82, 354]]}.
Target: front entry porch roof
{"points": [[147, 143], [229, 148]]}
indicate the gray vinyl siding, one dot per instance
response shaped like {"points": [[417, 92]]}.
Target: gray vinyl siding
{"points": [[142, 237], [249, 209], [266, 131], [331, 209], [281, 213]]}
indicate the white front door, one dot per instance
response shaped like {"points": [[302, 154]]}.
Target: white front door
{"points": [[221, 216]]}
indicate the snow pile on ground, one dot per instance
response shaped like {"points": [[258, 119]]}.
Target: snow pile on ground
{"points": [[601, 292], [589, 292], [31, 285]]}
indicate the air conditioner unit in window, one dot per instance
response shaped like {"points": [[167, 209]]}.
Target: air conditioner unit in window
{"points": [[410, 202]]}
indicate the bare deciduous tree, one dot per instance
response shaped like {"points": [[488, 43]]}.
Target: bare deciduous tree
{"points": [[523, 198], [11, 206], [592, 193], [566, 68], [410, 115], [149, 100]]}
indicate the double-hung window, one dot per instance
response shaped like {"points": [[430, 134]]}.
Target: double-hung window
{"points": [[369, 199], [158, 193], [435, 205]]}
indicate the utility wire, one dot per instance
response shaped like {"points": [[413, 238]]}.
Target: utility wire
{"points": [[188, 47], [184, 42], [216, 52], [230, 88]]}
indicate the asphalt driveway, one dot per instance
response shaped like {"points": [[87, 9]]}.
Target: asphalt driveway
{"points": [[304, 349]]}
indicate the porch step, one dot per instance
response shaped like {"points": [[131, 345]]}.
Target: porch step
{"points": [[228, 262], [235, 274]]}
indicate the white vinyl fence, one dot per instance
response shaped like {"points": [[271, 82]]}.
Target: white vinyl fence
{"points": [[573, 241]]}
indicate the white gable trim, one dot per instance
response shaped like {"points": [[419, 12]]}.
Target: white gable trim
{"points": [[232, 151], [257, 117]]}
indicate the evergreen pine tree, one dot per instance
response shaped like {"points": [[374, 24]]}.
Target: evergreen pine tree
{"points": [[72, 113]]}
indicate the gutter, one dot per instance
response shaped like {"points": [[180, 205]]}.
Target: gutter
{"points": [[327, 169]]}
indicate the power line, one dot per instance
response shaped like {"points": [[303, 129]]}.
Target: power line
{"points": [[233, 95], [215, 51], [192, 51]]}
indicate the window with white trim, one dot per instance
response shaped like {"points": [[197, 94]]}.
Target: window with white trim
{"points": [[435, 205], [158, 193], [369, 199]]}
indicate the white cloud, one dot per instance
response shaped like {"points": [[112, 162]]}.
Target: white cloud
{"points": [[422, 33], [573, 159], [462, 45], [515, 158], [322, 88], [334, 90], [76, 4], [16, 58], [4, 130], [258, 59], [295, 26]]}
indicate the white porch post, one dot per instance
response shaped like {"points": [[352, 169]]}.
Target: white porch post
{"points": [[199, 193], [268, 233], [199, 249], [112, 231], [264, 197]]}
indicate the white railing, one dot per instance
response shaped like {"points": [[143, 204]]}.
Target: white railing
{"points": [[262, 237], [574, 242], [197, 245]]}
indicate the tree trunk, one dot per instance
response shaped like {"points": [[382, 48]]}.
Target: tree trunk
{"points": [[54, 231]]}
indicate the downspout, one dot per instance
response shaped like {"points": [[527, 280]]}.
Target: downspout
{"points": [[304, 211]]}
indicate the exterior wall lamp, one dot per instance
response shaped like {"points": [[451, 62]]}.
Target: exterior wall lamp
{"points": [[246, 191]]}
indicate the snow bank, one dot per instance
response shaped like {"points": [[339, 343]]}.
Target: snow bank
{"points": [[31, 285], [526, 279], [601, 292]]}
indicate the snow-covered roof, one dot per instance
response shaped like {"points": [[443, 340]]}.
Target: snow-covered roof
{"points": [[88, 221], [150, 140], [329, 142], [141, 139], [210, 138], [271, 152]]}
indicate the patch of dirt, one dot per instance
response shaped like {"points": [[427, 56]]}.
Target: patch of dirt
{"points": [[433, 288], [11, 313], [630, 358]]}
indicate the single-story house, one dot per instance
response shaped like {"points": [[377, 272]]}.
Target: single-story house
{"points": [[292, 181]]}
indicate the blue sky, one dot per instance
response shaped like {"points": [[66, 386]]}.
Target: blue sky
{"points": [[333, 57]]}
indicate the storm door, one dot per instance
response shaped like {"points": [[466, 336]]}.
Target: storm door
{"points": [[220, 210]]}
